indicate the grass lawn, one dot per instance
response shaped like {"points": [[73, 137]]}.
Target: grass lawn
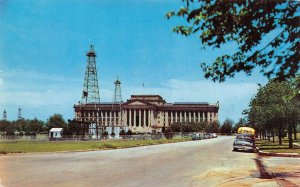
{"points": [[45, 146], [270, 147]]}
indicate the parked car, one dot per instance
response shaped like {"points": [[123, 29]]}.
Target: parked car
{"points": [[196, 136], [206, 136], [214, 135], [245, 142]]}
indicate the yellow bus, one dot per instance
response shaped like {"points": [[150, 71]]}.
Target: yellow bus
{"points": [[246, 130]]}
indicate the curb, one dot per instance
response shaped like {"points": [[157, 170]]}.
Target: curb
{"points": [[294, 155]]}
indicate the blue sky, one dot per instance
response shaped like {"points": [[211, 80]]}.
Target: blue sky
{"points": [[42, 56]]}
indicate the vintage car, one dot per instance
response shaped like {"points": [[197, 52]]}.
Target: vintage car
{"points": [[245, 142]]}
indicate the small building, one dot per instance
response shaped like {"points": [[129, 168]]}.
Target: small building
{"points": [[55, 133]]}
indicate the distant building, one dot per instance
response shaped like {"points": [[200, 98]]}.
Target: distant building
{"points": [[55, 133], [144, 113]]}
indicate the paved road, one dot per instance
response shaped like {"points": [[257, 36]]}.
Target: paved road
{"points": [[196, 163]]}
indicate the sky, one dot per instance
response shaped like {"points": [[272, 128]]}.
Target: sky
{"points": [[43, 46]]}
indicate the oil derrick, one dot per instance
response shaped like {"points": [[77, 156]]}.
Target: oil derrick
{"points": [[90, 92], [19, 114], [4, 115], [117, 94], [116, 106]]}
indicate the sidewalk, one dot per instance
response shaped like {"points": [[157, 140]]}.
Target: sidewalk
{"points": [[286, 170]]}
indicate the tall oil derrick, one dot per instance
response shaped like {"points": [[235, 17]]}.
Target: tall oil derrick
{"points": [[19, 114], [90, 92], [4, 115]]}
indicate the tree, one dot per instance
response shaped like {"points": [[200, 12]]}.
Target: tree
{"points": [[214, 126], [227, 126], [4, 124], [56, 120], [240, 123], [274, 109], [35, 125], [245, 23]]}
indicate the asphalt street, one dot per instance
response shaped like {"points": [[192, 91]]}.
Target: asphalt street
{"points": [[208, 162]]}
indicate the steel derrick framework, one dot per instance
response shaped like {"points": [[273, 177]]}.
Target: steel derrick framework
{"points": [[117, 94], [90, 92]]}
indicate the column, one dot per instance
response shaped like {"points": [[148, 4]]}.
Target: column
{"points": [[203, 116], [167, 118], [171, 117], [190, 116], [144, 124], [152, 118], [134, 117], [110, 118], [217, 116], [149, 118], [114, 120], [208, 116], [130, 118], [185, 116], [195, 116], [180, 116], [161, 117], [101, 118], [123, 118], [199, 116], [176, 117], [212, 116], [140, 115]]}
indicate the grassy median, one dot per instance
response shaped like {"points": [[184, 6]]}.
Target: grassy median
{"points": [[45, 146], [270, 147]]}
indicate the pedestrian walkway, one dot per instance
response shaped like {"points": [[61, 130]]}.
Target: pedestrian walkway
{"points": [[286, 170]]}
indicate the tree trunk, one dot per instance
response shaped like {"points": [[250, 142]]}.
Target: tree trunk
{"points": [[260, 135], [290, 134], [273, 136], [279, 135], [295, 132]]}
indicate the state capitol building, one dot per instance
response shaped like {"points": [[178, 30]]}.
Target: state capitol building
{"points": [[145, 113]]}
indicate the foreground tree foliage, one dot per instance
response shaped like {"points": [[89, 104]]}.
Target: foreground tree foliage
{"points": [[274, 109], [245, 23]]}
